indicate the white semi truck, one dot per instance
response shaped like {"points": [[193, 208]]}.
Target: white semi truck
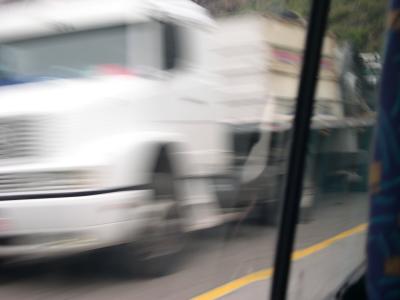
{"points": [[109, 131], [128, 123]]}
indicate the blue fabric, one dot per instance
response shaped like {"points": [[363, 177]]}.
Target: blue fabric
{"points": [[383, 278], [394, 5]]}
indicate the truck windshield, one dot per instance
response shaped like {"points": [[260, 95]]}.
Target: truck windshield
{"points": [[64, 55]]}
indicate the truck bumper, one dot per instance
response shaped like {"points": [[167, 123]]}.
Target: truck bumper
{"points": [[68, 225]]}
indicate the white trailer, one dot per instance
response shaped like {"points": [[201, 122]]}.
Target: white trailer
{"points": [[259, 57]]}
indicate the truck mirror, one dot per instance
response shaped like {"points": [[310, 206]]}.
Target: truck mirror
{"points": [[171, 47]]}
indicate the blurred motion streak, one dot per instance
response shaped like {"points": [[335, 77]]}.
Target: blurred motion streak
{"points": [[127, 125]]}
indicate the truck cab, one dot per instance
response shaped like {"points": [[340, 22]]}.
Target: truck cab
{"points": [[109, 130]]}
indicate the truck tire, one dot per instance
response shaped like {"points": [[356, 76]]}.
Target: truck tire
{"points": [[159, 249], [270, 202]]}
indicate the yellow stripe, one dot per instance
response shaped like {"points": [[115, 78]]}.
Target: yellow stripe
{"points": [[267, 273]]}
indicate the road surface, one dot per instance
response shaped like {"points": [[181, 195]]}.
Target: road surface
{"points": [[211, 260]]}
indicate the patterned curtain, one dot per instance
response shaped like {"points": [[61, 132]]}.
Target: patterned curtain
{"points": [[383, 279]]}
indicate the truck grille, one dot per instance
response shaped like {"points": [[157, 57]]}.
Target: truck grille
{"points": [[39, 182], [18, 138]]}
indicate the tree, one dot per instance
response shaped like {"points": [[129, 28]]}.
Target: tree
{"points": [[361, 22]]}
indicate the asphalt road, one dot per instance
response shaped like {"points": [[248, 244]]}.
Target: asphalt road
{"points": [[211, 259]]}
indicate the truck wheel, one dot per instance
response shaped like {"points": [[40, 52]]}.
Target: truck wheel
{"points": [[158, 251], [269, 208], [268, 213]]}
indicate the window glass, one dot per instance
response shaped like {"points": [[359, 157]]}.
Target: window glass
{"points": [[180, 198], [49, 56], [75, 54], [145, 45], [172, 199], [331, 234]]}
